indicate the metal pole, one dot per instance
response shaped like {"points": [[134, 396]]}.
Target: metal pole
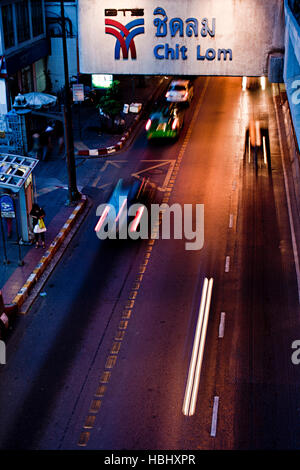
{"points": [[79, 115], [74, 194], [6, 261], [20, 261]]}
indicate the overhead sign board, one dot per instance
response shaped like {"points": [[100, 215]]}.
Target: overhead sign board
{"points": [[188, 37]]}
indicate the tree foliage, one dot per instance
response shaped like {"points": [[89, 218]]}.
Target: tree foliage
{"points": [[110, 104]]}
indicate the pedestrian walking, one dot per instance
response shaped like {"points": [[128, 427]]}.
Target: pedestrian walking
{"points": [[46, 141], [39, 228], [44, 145], [36, 145], [59, 130], [49, 132]]}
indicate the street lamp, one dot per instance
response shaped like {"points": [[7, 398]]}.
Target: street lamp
{"points": [[74, 194]]}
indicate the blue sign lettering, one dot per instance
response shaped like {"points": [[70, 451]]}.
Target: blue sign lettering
{"points": [[164, 51], [189, 28]]}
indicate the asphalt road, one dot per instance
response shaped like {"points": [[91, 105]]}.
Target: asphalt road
{"points": [[101, 361]]}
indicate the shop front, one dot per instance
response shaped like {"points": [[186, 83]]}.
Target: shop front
{"points": [[26, 70]]}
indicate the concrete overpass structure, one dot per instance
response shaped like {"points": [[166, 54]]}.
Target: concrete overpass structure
{"points": [[190, 37], [211, 37]]}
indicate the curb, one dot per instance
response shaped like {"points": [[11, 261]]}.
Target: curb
{"points": [[104, 151], [114, 148], [24, 292]]}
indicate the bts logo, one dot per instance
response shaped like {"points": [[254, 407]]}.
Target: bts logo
{"points": [[124, 34]]}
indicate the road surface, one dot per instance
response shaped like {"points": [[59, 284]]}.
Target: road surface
{"points": [[102, 360]]}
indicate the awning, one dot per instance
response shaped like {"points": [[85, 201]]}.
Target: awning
{"points": [[14, 170]]}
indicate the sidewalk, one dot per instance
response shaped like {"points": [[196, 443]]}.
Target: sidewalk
{"points": [[89, 137], [17, 281]]}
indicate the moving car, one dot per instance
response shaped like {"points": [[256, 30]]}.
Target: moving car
{"points": [[165, 122], [254, 83], [180, 91], [114, 217]]}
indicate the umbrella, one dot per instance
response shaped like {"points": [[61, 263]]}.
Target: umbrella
{"points": [[37, 100]]}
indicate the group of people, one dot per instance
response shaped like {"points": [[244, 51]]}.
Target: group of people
{"points": [[43, 142]]}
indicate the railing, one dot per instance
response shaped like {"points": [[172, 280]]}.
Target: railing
{"points": [[12, 133]]}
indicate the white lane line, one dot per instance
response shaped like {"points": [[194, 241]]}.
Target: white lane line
{"points": [[214, 420], [265, 150], [249, 150], [227, 264], [222, 325], [192, 386], [231, 221]]}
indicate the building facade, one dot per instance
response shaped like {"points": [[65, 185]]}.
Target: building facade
{"points": [[23, 49], [54, 31]]}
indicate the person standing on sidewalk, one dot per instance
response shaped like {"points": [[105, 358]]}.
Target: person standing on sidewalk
{"points": [[37, 213]]}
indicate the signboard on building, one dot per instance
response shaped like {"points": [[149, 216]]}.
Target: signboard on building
{"points": [[102, 80], [188, 37], [7, 209], [78, 92]]}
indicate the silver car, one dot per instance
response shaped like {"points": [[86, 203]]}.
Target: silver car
{"points": [[180, 91]]}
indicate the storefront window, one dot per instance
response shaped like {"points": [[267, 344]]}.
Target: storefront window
{"points": [[23, 21], [37, 17], [8, 26], [27, 79]]}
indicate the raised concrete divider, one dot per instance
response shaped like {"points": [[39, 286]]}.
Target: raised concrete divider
{"points": [[103, 151], [24, 292]]}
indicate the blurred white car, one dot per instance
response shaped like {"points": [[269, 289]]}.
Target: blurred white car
{"points": [[180, 91], [253, 83]]}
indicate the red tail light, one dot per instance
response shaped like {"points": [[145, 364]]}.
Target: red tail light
{"points": [[102, 218], [137, 219], [174, 124], [148, 125]]}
